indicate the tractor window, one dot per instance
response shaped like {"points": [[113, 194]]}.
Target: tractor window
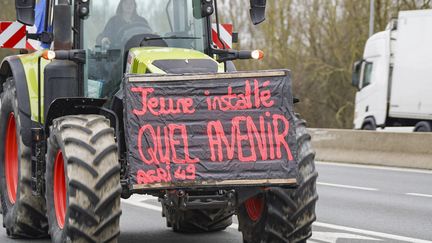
{"points": [[115, 26]]}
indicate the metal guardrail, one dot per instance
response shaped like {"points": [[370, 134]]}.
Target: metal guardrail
{"points": [[410, 150]]}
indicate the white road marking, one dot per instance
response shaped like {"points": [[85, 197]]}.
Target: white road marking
{"points": [[332, 237], [371, 233], [138, 201], [142, 204], [418, 194], [376, 167], [347, 186]]}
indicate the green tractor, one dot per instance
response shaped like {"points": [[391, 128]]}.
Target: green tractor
{"points": [[138, 97]]}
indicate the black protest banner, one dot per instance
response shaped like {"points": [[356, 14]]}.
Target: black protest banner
{"points": [[218, 129]]}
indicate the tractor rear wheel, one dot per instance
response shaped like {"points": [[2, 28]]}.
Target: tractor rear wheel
{"points": [[83, 180], [284, 215], [197, 221], [23, 213]]}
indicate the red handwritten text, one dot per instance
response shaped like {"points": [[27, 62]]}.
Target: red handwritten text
{"points": [[162, 106], [241, 101], [269, 141], [167, 140], [166, 174]]}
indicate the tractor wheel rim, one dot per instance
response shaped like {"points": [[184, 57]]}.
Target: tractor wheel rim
{"points": [[11, 159], [254, 208], [60, 189]]}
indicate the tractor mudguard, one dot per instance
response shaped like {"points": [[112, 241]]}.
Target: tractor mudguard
{"points": [[79, 106], [13, 67], [117, 107]]}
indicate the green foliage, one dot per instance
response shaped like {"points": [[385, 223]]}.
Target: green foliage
{"points": [[318, 40]]}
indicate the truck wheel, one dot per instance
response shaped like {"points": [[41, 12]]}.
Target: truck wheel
{"points": [[83, 180], [23, 213], [369, 127], [369, 124], [423, 126], [198, 221], [284, 215]]}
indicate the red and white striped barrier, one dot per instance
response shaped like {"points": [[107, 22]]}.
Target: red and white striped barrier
{"points": [[226, 36], [14, 35]]}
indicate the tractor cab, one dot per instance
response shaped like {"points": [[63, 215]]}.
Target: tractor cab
{"points": [[108, 39], [142, 36]]}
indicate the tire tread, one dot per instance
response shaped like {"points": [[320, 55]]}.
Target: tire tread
{"points": [[96, 175]]}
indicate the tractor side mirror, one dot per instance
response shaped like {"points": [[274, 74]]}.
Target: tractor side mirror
{"points": [[202, 8], [356, 74], [62, 27], [25, 11], [257, 11]]}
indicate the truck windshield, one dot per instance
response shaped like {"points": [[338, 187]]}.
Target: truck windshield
{"points": [[115, 26]]}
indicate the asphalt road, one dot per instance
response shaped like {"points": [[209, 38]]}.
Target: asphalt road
{"points": [[392, 201], [357, 204]]}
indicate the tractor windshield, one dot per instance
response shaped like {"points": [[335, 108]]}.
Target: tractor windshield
{"points": [[115, 26]]}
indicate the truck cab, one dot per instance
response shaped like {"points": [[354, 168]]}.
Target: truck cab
{"points": [[372, 82], [393, 77]]}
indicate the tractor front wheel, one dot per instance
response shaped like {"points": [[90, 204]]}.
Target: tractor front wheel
{"points": [[83, 180]]}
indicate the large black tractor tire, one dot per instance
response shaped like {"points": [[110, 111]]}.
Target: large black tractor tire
{"points": [[23, 213], [83, 180], [197, 221], [284, 215]]}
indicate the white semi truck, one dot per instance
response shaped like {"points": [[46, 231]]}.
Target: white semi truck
{"points": [[394, 78]]}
